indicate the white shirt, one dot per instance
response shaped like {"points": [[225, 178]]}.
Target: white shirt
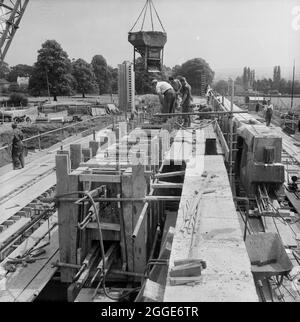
{"points": [[161, 87], [268, 107]]}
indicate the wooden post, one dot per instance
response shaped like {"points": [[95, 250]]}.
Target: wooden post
{"points": [[75, 155], [139, 189], [67, 216], [94, 146], [87, 154], [127, 215], [39, 140]]}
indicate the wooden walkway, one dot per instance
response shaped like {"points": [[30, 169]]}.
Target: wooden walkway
{"points": [[25, 284]]}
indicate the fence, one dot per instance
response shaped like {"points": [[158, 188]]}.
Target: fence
{"points": [[38, 137]]}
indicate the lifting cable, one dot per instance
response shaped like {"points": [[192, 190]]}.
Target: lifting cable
{"points": [[157, 15], [150, 4], [147, 3]]}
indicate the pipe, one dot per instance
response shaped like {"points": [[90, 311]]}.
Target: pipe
{"points": [[117, 271], [200, 113], [157, 232], [145, 199], [140, 220]]}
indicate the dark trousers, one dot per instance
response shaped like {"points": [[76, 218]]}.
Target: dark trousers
{"points": [[169, 101], [268, 117], [187, 118], [18, 160]]}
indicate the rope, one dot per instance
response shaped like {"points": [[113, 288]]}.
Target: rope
{"points": [[151, 17], [147, 3], [139, 16], [157, 16], [144, 11]]}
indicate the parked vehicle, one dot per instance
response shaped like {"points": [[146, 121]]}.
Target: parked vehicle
{"points": [[5, 116], [20, 119]]}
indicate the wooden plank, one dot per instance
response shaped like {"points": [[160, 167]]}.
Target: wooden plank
{"points": [[169, 185], [94, 146], [87, 154], [170, 174], [222, 140], [103, 178], [67, 216], [14, 205], [35, 287], [104, 226], [26, 282], [128, 217], [159, 273], [13, 229], [139, 189], [75, 155]]}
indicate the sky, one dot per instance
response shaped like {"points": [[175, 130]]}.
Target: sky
{"points": [[228, 34]]}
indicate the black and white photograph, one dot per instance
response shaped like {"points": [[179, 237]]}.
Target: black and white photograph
{"points": [[149, 154]]}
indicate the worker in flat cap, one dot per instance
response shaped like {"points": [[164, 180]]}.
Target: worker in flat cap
{"points": [[167, 95], [17, 150]]}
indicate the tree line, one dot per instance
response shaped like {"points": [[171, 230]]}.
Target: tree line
{"points": [[56, 74], [247, 82]]}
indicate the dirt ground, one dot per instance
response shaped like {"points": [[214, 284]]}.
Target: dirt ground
{"points": [[30, 130]]}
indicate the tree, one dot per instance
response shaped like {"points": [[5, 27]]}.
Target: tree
{"points": [[53, 65], [19, 71], [4, 70], [143, 78], [198, 73], [114, 76], [276, 77], [101, 72], [17, 99], [221, 87], [283, 86], [176, 69], [239, 81], [84, 76]]}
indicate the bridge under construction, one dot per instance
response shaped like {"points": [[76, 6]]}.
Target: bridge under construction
{"points": [[145, 209]]}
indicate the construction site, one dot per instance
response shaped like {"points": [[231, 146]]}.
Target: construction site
{"points": [[140, 208]]}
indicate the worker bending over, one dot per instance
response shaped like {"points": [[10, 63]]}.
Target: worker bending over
{"points": [[187, 99], [268, 112], [176, 84], [167, 95], [17, 151]]}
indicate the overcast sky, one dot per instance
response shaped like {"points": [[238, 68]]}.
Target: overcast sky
{"points": [[228, 34]]}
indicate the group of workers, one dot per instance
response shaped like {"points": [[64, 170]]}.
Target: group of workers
{"points": [[268, 110], [174, 94]]}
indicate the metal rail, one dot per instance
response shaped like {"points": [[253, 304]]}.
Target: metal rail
{"points": [[201, 113], [39, 136]]}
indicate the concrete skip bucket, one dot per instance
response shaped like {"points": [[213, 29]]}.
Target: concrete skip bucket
{"points": [[149, 44]]}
